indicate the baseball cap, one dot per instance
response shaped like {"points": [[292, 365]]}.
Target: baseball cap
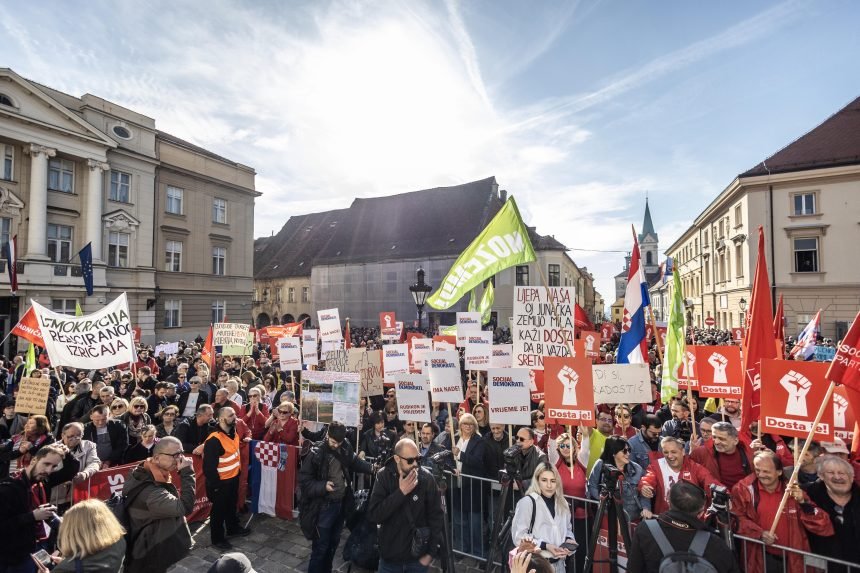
{"points": [[835, 447], [232, 563]]}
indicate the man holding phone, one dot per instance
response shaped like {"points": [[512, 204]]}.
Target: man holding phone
{"points": [[154, 503], [25, 513]]}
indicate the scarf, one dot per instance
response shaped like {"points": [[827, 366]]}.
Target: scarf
{"points": [[158, 474]]}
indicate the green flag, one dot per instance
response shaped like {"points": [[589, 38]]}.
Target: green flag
{"points": [[675, 341], [448, 330], [502, 244], [78, 311], [30, 360], [487, 300], [473, 306]]}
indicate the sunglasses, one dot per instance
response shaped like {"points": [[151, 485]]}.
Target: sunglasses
{"points": [[283, 411], [139, 407], [169, 414], [522, 439], [541, 417], [410, 461], [391, 413], [626, 450], [117, 407]]}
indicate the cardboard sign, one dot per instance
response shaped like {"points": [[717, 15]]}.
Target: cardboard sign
{"points": [[329, 324], [290, 353], [591, 342], [687, 375], [418, 347], [509, 396], [479, 348], [443, 368], [443, 343], [607, 329], [737, 334], [502, 356], [467, 323], [720, 371], [395, 360], [368, 365], [329, 396], [569, 390], [542, 324], [168, 348], [33, 395], [536, 385], [621, 383], [844, 416], [309, 347], [412, 399], [794, 391], [231, 337]]}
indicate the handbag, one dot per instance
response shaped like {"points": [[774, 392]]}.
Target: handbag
{"points": [[516, 550], [420, 536]]}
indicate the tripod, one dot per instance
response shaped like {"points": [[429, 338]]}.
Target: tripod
{"points": [[612, 507], [503, 519], [442, 484]]}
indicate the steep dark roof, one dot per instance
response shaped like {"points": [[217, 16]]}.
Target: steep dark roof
{"points": [[438, 222], [188, 145], [833, 143], [647, 225]]}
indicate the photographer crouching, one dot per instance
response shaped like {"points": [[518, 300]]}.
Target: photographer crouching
{"points": [[405, 503]]}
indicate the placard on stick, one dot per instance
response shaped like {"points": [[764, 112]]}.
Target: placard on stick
{"points": [[621, 383], [32, 395], [542, 324], [720, 372], [794, 392], [412, 399], [509, 396], [569, 390], [443, 369]]}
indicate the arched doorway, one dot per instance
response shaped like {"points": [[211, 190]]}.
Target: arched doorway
{"points": [[263, 320], [303, 318], [288, 318]]}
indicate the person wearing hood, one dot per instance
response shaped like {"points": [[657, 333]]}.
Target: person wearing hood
{"points": [[221, 466], [158, 531]]}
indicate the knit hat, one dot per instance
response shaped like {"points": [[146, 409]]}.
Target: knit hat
{"points": [[232, 563]]}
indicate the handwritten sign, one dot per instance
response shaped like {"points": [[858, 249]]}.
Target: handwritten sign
{"points": [[621, 383], [168, 348], [33, 395], [231, 337], [542, 324]]}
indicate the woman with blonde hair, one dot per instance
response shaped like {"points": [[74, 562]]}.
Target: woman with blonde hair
{"points": [[118, 407], [90, 539], [542, 517], [136, 418]]}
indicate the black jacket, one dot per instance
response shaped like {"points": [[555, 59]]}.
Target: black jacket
{"points": [[313, 474], [202, 398], [645, 556], [118, 434], [843, 545], [191, 435], [212, 450], [17, 524], [372, 445], [392, 510], [494, 460]]}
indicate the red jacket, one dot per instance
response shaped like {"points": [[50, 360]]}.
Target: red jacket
{"points": [[690, 471], [289, 434], [782, 451], [256, 422], [706, 456], [801, 518]]}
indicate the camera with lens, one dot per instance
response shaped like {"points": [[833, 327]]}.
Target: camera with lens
{"points": [[609, 477], [685, 430], [719, 496], [440, 463], [513, 461]]}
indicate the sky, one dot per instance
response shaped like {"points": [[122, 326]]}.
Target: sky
{"points": [[579, 109]]}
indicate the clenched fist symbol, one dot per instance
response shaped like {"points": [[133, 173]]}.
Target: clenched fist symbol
{"points": [[840, 405], [719, 363], [569, 379], [589, 343], [797, 385], [688, 360]]}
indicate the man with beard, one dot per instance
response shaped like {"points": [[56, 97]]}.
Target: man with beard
{"points": [[192, 432], [24, 509], [732, 410], [726, 457], [666, 472], [496, 443], [645, 445], [427, 448], [836, 494], [221, 465]]}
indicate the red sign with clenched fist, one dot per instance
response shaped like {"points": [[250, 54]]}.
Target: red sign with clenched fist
{"points": [[607, 329], [569, 390], [687, 375], [720, 371], [792, 392]]}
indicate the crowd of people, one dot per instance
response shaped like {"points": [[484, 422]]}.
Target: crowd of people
{"points": [[161, 411]]}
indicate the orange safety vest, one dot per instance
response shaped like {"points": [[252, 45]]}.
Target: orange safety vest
{"points": [[228, 462]]}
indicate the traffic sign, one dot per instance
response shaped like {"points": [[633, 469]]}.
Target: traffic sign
{"points": [[710, 321]]}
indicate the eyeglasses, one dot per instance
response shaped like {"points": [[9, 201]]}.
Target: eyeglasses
{"points": [[176, 456], [410, 461], [607, 420], [522, 439], [564, 446], [120, 407], [139, 406], [169, 414]]}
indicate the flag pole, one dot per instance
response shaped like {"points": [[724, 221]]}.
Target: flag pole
{"points": [[826, 403], [656, 334]]}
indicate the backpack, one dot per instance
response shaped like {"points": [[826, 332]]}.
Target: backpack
{"points": [[362, 546], [118, 505], [690, 561]]}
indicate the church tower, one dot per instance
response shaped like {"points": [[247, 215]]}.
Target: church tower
{"points": [[648, 245]]}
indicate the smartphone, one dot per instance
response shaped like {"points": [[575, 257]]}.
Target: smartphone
{"points": [[42, 557], [570, 546]]}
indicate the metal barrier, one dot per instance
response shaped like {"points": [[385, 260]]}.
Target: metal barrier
{"points": [[752, 553]]}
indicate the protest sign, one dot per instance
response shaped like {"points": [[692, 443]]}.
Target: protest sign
{"points": [[231, 337], [329, 324], [443, 343], [536, 385], [824, 353], [479, 347], [621, 383], [395, 360], [569, 390], [418, 347], [542, 324], [607, 329], [412, 399], [32, 395], [509, 396], [687, 375], [336, 360], [844, 416], [167, 347], [309, 347], [98, 340], [290, 353], [845, 368], [502, 356], [591, 340], [388, 326], [330, 345], [329, 396], [738, 334], [368, 365], [720, 372], [28, 328], [794, 391], [467, 323], [443, 369]]}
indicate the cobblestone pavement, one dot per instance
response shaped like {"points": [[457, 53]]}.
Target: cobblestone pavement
{"points": [[275, 546]]}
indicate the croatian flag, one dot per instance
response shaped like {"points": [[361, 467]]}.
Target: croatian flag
{"points": [[805, 347], [633, 348], [272, 479]]}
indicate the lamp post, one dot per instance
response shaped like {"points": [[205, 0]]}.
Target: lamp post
{"points": [[419, 291], [743, 306]]}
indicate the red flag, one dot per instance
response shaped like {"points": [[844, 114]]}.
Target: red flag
{"points": [[347, 339], [581, 320], [779, 327], [28, 328], [759, 339], [207, 353]]}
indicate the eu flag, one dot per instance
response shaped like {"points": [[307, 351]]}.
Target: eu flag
{"points": [[86, 256]]}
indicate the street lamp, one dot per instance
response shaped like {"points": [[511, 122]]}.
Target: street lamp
{"points": [[743, 306], [419, 291]]}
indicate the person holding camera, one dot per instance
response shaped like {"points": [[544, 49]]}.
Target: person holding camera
{"points": [[405, 503], [616, 454], [681, 424], [673, 467], [678, 532], [542, 518]]}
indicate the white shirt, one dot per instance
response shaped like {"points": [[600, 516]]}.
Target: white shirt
{"points": [[461, 445], [670, 476], [191, 404]]}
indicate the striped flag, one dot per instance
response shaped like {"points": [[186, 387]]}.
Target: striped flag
{"points": [[806, 340], [271, 478], [11, 255], [633, 347]]}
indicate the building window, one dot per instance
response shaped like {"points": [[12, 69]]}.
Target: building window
{"points": [[172, 313], [804, 204], [278, 294], [118, 249], [174, 200], [265, 295], [554, 275], [120, 186], [5, 230], [59, 243], [722, 229], [306, 294], [219, 310], [806, 255], [219, 261], [738, 217], [8, 162], [522, 275], [739, 261], [705, 239], [6, 100], [173, 256], [291, 294], [64, 305], [61, 175], [219, 211]]}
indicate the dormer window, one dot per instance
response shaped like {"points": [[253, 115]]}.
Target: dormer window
{"points": [[6, 100]]}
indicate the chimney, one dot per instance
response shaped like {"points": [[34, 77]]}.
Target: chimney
{"points": [[503, 195]]}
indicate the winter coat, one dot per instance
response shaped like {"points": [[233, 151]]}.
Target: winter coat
{"points": [[547, 529], [88, 463], [841, 545], [706, 455], [159, 532], [641, 451], [118, 434], [629, 484], [801, 517], [108, 559], [654, 477]]}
